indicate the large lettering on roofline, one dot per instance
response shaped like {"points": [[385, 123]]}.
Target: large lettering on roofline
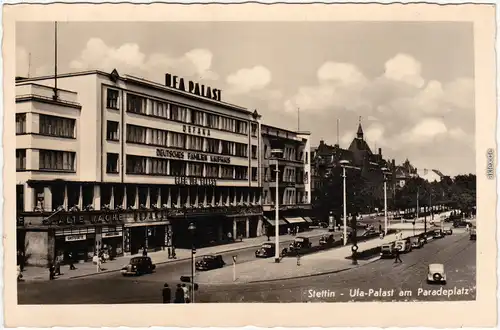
{"points": [[192, 87]]}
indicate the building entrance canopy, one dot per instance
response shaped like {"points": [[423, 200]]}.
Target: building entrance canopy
{"points": [[272, 222], [295, 220]]}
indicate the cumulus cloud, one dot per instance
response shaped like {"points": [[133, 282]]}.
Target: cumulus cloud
{"points": [[249, 79], [129, 58], [405, 112]]}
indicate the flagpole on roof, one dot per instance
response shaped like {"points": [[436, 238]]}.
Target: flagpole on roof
{"points": [[55, 61]]}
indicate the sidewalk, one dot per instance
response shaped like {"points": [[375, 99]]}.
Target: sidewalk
{"points": [[159, 257]]}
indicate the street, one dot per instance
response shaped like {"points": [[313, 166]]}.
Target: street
{"points": [[367, 283]]}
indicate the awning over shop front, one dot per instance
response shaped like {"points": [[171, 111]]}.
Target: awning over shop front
{"points": [[295, 220], [307, 219], [273, 223]]}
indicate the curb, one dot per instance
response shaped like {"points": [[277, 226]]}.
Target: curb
{"points": [[166, 262]]}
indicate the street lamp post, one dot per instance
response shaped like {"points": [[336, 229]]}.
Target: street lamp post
{"points": [[276, 153], [192, 230], [345, 164], [385, 171]]}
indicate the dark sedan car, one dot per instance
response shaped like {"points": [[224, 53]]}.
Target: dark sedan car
{"points": [[209, 262], [326, 240], [139, 266], [438, 233], [266, 250]]}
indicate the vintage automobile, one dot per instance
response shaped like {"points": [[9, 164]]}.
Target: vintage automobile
{"points": [[438, 233], [210, 261], [387, 250], [472, 235], [299, 245], [417, 242], [460, 223], [326, 240], [403, 245], [447, 230], [266, 250], [436, 274], [138, 266]]}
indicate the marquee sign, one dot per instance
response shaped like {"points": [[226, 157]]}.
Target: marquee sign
{"points": [[195, 181], [166, 153], [192, 87]]}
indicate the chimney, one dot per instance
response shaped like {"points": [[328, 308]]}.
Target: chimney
{"points": [[380, 151]]}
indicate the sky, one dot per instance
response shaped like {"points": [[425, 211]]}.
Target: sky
{"points": [[410, 83]]}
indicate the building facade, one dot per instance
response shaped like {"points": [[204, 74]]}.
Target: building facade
{"points": [[294, 178], [120, 162]]}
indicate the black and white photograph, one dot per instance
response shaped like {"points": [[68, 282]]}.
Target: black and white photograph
{"points": [[195, 162]]}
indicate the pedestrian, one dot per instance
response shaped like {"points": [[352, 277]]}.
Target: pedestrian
{"points": [[298, 259], [167, 294], [289, 230], [51, 271], [144, 252], [397, 257], [169, 252], [185, 290], [179, 295], [71, 261], [297, 230], [58, 266]]}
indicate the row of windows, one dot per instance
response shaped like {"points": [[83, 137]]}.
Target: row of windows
{"points": [[289, 175], [141, 105], [48, 160], [170, 167], [291, 154], [288, 197], [49, 125], [153, 136]]}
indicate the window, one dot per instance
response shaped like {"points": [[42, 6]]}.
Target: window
{"points": [[112, 131], [136, 164], [241, 150], [213, 121], [254, 173], [20, 159], [159, 137], [158, 166], [57, 126], [212, 171], [254, 129], [177, 140], [228, 124], [136, 134], [178, 113], [111, 163], [241, 172], [195, 169], [241, 127], [197, 117], [254, 152], [136, 104], [112, 99], [20, 123], [177, 168], [226, 172], [212, 146], [57, 160], [159, 109], [196, 143], [227, 148]]}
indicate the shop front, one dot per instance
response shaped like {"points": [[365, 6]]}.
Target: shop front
{"points": [[271, 226], [112, 240], [80, 242]]}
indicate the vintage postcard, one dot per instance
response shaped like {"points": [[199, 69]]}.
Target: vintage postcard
{"points": [[237, 162]]}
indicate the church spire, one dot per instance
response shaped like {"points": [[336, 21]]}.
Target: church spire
{"points": [[360, 130]]}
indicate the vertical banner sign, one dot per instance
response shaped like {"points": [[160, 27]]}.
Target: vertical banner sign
{"points": [[127, 240]]}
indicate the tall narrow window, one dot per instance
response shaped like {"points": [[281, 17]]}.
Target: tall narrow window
{"points": [[254, 173], [254, 152], [20, 123], [136, 164], [20, 159], [112, 131], [254, 129], [136, 104], [136, 134], [158, 166], [112, 99], [111, 163]]}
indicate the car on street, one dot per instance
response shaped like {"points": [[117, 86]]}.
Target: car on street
{"points": [[472, 235], [323, 225], [266, 250], [438, 233], [210, 261], [417, 242], [403, 245], [299, 245], [387, 250], [460, 223], [448, 230], [326, 240], [436, 274], [138, 266]]}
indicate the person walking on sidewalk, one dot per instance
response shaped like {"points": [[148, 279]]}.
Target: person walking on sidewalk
{"points": [[397, 256], [71, 261], [167, 294], [179, 295], [144, 252], [51, 272]]}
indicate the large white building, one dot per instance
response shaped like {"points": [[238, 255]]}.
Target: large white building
{"points": [[118, 161]]}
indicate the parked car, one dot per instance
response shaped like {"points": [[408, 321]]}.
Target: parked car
{"points": [[323, 225], [436, 274], [460, 223], [266, 250], [448, 231], [387, 250], [417, 242], [211, 261], [403, 245], [326, 240], [472, 235], [138, 266], [438, 233], [299, 245]]}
